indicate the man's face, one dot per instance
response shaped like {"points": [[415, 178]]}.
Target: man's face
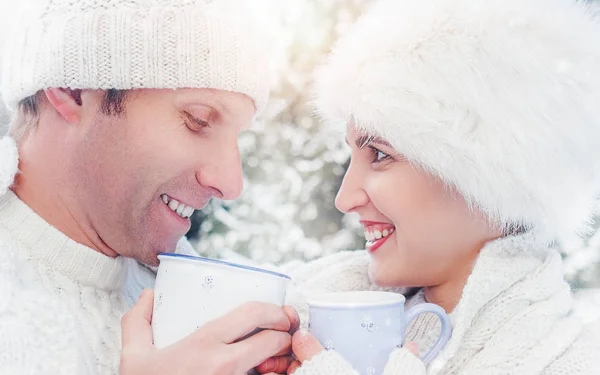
{"points": [[139, 175]]}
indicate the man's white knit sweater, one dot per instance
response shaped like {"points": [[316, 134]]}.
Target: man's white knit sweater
{"points": [[60, 302]]}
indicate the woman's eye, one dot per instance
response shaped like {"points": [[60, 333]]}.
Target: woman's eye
{"points": [[378, 155]]}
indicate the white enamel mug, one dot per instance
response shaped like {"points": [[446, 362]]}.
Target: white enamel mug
{"points": [[191, 291]]}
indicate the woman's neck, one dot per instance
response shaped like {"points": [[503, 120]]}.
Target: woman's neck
{"points": [[448, 293]]}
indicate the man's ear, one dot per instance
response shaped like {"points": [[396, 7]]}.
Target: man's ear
{"points": [[66, 102]]}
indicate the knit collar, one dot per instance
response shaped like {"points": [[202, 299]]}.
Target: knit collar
{"points": [[52, 248], [510, 276]]}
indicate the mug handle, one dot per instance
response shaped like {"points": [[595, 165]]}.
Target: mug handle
{"points": [[445, 334]]}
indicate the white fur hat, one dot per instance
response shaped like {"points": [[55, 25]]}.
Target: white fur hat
{"points": [[499, 99], [131, 44]]}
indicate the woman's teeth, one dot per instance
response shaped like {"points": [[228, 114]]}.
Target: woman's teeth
{"points": [[373, 235], [177, 207]]}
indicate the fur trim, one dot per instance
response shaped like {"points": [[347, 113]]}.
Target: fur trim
{"points": [[9, 163], [499, 99]]}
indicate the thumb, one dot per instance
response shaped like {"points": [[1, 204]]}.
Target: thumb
{"points": [[305, 346], [136, 329], [412, 347]]}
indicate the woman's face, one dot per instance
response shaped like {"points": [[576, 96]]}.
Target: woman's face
{"points": [[419, 232]]}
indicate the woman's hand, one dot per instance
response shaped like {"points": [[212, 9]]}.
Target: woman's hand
{"points": [[304, 346]]}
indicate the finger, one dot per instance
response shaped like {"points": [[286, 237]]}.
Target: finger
{"points": [[136, 329], [278, 365], [293, 317], [247, 318], [305, 346], [293, 367], [285, 352], [256, 349], [412, 347]]}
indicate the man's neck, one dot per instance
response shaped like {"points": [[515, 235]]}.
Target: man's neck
{"points": [[53, 207]]}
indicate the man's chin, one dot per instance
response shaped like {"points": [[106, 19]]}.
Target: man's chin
{"points": [[150, 256], [153, 262]]}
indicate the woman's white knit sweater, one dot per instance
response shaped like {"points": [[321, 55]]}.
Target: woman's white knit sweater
{"points": [[515, 316]]}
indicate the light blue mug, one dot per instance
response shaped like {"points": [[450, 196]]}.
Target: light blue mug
{"points": [[365, 327]]}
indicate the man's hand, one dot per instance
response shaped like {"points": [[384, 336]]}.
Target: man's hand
{"points": [[212, 349]]}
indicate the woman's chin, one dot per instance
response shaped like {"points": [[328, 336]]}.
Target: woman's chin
{"points": [[380, 277], [388, 276]]}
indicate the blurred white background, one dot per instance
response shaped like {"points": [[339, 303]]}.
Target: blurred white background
{"points": [[5, 6]]}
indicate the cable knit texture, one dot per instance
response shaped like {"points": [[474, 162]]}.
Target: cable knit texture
{"points": [[514, 316], [330, 362], [60, 302], [326, 362], [133, 44], [403, 362]]}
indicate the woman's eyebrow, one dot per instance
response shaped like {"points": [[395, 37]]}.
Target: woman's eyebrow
{"points": [[364, 140]]}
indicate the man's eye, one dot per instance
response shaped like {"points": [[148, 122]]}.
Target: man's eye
{"points": [[196, 124], [201, 123]]}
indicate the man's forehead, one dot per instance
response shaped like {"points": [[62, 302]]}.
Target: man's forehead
{"points": [[205, 96]]}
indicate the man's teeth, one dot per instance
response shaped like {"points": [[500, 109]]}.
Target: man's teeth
{"points": [[179, 208], [372, 235]]}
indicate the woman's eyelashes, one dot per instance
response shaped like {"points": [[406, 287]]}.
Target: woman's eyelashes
{"points": [[378, 155]]}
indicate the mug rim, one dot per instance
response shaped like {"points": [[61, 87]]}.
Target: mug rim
{"points": [[223, 263], [320, 300]]}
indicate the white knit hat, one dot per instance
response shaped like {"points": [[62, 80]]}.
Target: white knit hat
{"points": [[499, 99], [132, 44]]}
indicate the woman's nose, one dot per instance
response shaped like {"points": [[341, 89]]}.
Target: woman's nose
{"points": [[351, 195]]}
